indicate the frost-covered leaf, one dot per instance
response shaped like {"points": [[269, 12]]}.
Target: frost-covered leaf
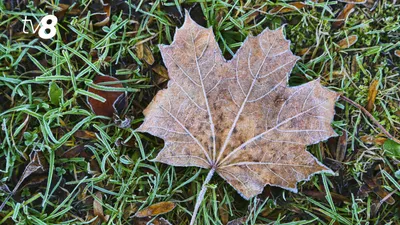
{"points": [[238, 117], [156, 209]]}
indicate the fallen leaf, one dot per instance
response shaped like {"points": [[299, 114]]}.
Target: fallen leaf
{"points": [[348, 41], [85, 134], [236, 116], [143, 52], [224, 213], [342, 17], [397, 53], [284, 9], [98, 207], [304, 51], [34, 180], [156, 209], [105, 22], [373, 140], [372, 184], [337, 198], [36, 163], [73, 152], [162, 72], [341, 148], [115, 100], [239, 118], [372, 92]]}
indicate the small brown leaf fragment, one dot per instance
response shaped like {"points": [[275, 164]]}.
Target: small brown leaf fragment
{"points": [[223, 213], [160, 70], [342, 17], [304, 51], [373, 140], [84, 134], [34, 180], [239, 118], [397, 53], [76, 151], [144, 53], [337, 198], [285, 9], [161, 221], [98, 207], [372, 92], [105, 22], [348, 41], [156, 209], [341, 147], [60, 12], [115, 100], [372, 184]]}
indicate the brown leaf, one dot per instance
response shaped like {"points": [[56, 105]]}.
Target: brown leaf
{"points": [[284, 9], [337, 198], [36, 164], [397, 53], [156, 209], [372, 92], [76, 151], [98, 207], [373, 140], [115, 100], [84, 134], [143, 52], [162, 72], [341, 147], [105, 22], [348, 41], [341, 18], [238, 117], [304, 51], [372, 184], [224, 213]]}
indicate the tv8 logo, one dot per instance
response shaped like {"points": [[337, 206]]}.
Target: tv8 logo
{"points": [[47, 26]]}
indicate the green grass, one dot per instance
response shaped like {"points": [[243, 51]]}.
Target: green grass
{"points": [[117, 162]]}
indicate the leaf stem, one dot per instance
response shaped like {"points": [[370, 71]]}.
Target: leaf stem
{"points": [[200, 197]]}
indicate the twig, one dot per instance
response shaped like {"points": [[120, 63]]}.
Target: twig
{"points": [[201, 195], [370, 116]]}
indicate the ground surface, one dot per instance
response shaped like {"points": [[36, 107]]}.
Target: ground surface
{"points": [[86, 161]]}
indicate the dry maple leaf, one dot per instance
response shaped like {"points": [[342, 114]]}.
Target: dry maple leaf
{"points": [[238, 118]]}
